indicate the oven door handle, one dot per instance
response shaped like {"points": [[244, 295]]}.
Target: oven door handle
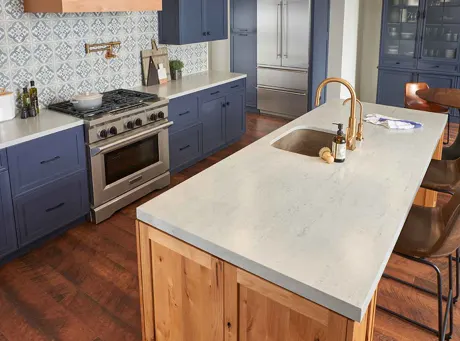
{"points": [[129, 139]]}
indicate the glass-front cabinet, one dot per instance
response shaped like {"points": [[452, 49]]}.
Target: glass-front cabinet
{"points": [[427, 30]]}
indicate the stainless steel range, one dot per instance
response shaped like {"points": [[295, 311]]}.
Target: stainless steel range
{"points": [[128, 148]]}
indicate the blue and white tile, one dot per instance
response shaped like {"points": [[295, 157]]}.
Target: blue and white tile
{"points": [[65, 72], [41, 30], [83, 69], [84, 86], [117, 81], [20, 77], [47, 95], [44, 75], [98, 27], [65, 92], [3, 59], [63, 51], [5, 79], [18, 32], [14, 9], [43, 53], [80, 28], [62, 30], [20, 55], [100, 66], [101, 84]]}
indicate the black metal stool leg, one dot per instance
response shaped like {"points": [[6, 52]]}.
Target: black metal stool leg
{"points": [[443, 319]]}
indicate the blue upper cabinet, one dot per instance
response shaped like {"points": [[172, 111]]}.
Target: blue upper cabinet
{"points": [[193, 21]]}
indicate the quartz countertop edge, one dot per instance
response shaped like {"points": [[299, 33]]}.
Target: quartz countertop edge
{"points": [[333, 227], [252, 267], [192, 83], [48, 122]]}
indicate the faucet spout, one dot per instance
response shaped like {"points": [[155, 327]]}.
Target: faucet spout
{"points": [[360, 133], [351, 130]]}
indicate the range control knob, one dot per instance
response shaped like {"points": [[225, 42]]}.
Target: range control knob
{"points": [[161, 115], [113, 131], [102, 134], [138, 122], [130, 125], [153, 117]]}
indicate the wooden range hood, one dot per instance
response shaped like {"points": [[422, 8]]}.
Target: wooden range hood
{"points": [[75, 6]]}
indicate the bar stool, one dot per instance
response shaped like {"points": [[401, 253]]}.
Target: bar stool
{"points": [[431, 233], [412, 101]]}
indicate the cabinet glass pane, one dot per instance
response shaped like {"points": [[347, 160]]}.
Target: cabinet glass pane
{"points": [[442, 30], [401, 28]]}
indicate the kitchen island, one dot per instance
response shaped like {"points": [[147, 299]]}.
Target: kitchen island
{"points": [[273, 244]]}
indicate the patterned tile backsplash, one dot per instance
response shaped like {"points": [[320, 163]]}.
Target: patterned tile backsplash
{"points": [[49, 48]]}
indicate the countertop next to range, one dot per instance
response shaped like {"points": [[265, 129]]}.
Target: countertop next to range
{"points": [[324, 232], [48, 122]]}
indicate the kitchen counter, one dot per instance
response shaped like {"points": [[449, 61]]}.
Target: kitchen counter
{"points": [[47, 122], [324, 232], [192, 83]]}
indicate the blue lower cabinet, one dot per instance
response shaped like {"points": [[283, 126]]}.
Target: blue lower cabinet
{"points": [[3, 160], [437, 81], [46, 159], [8, 239], [391, 87], [212, 116], [235, 116], [185, 147], [183, 111], [48, 208]]}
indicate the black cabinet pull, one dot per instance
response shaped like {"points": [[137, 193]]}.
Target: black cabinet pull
{"points": [[234, 86], [204, 33], [50, 160], [185, 113], [228, 104], [223, 105], [215, 93], [242, 35], [436, 66], [208, 33], [184, 148], [55, 207], [398, 63]]}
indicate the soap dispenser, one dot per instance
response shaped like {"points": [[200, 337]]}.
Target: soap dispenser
{"points": [[339, 145]]}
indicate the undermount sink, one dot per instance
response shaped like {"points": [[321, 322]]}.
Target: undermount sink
{"points": [[304, 141]]}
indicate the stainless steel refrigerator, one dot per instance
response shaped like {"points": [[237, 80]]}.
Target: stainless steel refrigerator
{"points": [[283, 47]]}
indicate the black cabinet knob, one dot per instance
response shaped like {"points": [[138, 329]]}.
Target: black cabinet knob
{"points": [[223, 105], [138, 122], [208, 33], [228, 104], [113, 131], [204, 33]]}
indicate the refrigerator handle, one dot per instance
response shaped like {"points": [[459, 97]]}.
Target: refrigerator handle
{"points": [[278, 28], [285, 28]]}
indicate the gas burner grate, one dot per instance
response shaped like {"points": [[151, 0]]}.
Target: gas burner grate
{"points": [[112, 100]]}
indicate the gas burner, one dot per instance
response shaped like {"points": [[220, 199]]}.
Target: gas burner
{"points": [[111, 101]]}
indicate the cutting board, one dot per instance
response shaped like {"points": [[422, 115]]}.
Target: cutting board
{"points": [[159, 56]]}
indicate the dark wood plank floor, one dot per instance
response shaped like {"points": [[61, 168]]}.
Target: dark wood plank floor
{"points": [[83, 285]]}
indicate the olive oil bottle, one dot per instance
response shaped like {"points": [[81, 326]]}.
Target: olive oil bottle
{"points": [[339, 145], [33, 93]]}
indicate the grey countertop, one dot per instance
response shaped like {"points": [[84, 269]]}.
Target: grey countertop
{"points": [[193, 83], [324, 232], [48, 122]]}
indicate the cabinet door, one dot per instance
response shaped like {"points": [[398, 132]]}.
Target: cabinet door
{"points": [[182, 289], [244, 60], [391, 87], [235, 116], [244, 16], [192, 29], [437, 81], [259, 310], [216, 19], [212, 116], [8, 239]]}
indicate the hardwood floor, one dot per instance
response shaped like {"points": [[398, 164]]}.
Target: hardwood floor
{"points": [[83, 285]]}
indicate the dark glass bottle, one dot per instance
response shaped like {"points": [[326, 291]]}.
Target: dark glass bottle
{"points": [[25, 103], [339, 145], [33, 93]]}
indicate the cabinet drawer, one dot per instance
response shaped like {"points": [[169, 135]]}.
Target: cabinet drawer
{"points": [[235, 86], [43, 160], [213, 93], [185, 146], [437, 67], [407, 64], [51, 207], [3, 164], [183, 111]]}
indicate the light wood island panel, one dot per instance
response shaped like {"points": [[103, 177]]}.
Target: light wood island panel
{"points": [[189, 295]]}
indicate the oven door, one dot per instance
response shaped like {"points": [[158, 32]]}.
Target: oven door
{"points": [[125, 162]]}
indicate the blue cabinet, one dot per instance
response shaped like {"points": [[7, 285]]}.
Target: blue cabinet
{"points": [[8, 239], [2, 159], [205, 122], [212, 115], [192, 21], [244, 60], [391, 87], [45, 159], [235, 116], [51, 207]]}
